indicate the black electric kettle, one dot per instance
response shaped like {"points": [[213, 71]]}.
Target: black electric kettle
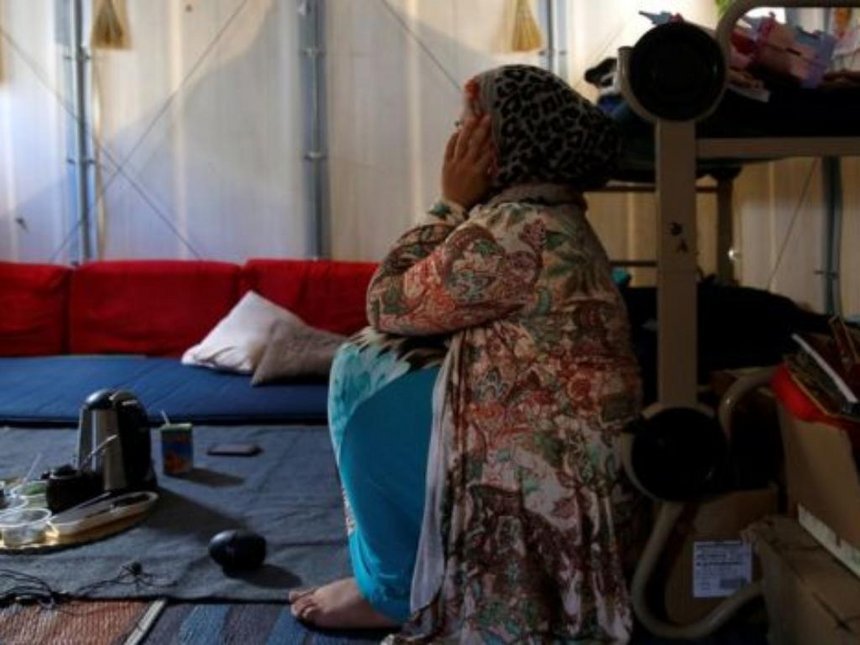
{"points": [[113, 441]]}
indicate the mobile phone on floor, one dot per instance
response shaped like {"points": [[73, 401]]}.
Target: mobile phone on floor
{"points": [[234, 449]]}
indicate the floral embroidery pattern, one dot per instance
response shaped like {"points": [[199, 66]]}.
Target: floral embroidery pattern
{"points": [[543, 382]]}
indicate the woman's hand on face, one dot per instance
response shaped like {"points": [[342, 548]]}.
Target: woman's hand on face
{"points": [[469, 162]]}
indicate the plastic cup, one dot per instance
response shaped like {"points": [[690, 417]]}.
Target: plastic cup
{"points": [[33, 493], [10, 503], [23, 525]]}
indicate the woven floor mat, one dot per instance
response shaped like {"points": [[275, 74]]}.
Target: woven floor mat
{"points": [[246, 624], [113, 622]]}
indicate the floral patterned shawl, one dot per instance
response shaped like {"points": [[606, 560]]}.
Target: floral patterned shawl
{"points": [[525, 504]]}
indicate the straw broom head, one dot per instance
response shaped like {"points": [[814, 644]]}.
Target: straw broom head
{"points": [[108, 30], [527, 34]]}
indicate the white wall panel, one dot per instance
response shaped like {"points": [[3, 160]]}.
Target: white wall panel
{"points": [[780, 212], [204, 114], [33, 185], [395, 68]]}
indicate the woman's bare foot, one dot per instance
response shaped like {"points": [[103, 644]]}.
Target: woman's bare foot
{"points": [[295, 594], [337, 605]]}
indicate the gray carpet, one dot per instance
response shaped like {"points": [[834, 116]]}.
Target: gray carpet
{"points": [[288, 493]]}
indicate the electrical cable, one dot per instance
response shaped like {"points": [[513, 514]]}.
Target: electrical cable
{"points": [[29, 589], [26, 589], [131, 573]]}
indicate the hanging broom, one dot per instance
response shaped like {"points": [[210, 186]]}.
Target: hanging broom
{"points": [[527, 34], [108, 30]]}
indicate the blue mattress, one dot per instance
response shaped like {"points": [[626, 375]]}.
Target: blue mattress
{"points": [[50, 390]]}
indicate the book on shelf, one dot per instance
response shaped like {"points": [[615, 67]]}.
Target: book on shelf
{"points": [[827, 376]]}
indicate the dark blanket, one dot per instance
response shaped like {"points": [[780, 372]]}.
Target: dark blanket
{"points": [[289, 493], [49, 390], [737, 327]]}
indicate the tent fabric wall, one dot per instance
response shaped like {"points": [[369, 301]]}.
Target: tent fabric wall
{"points": [[204, 115], [779, 209], [394, 66], [198, 128], [850, 273], [782, 222], [203, 110], [394, 72], [34, 190], [395, 69]]}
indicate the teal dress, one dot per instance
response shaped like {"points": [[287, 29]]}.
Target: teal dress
{"points": [[380, 416]]}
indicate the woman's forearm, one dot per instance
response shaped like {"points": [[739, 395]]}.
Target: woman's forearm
{"points": [[439, 280]]}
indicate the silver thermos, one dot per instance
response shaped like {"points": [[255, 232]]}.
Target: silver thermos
{"points": [[113, 441]]}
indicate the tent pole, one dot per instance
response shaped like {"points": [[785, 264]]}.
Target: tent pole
{"points": [[553, 14], [313, 40], [80, 59]]}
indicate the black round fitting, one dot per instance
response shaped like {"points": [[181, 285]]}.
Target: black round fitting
{"points": [[677, 71], [679, 454]]}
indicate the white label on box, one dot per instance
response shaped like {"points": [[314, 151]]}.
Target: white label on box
{"points": [[720, 568]]}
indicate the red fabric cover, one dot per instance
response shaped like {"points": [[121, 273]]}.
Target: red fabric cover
{"points": [[326, 294], [801, 406], [33, 299], [153, 307], [794, 398]]}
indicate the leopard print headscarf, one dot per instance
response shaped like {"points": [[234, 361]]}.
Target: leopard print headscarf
{"points": [[543, 130]]}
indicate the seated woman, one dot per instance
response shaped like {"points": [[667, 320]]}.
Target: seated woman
{"points": [[484, 492]]}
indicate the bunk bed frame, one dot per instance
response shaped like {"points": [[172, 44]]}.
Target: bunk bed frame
{"points": [[677, 152], [721, 187]]}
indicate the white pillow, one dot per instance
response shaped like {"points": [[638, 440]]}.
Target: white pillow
{"points": [[238, 340]]}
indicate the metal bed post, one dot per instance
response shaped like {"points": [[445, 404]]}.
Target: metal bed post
{"points": [[722, 190], [675, 180], [555, 15], [667, 88], [676, 263]]}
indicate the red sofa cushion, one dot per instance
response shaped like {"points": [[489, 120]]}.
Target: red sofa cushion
{"points": [[33, 300], [153, 307], [327, 294]]}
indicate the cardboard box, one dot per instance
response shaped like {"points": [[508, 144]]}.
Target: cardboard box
{"points": [[810, 597], [823, 481], [707, 558]]}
